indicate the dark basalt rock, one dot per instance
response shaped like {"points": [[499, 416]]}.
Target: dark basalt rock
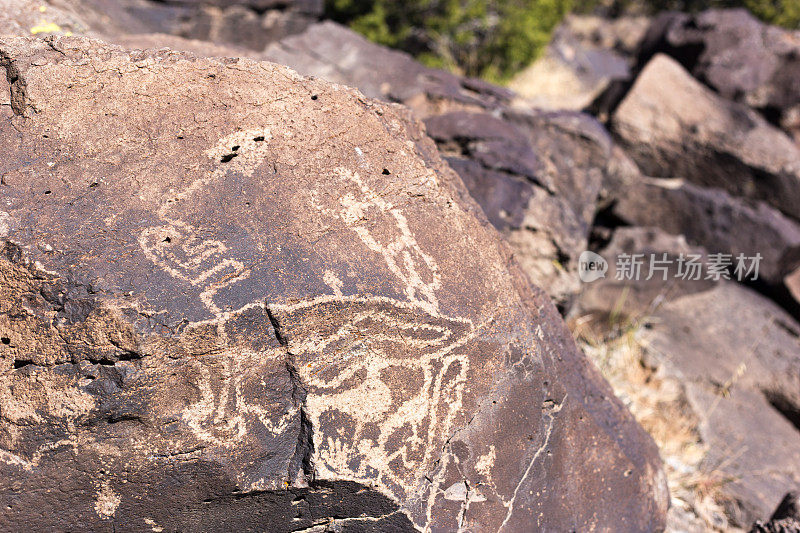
{"points": [[785, 519], [335, 53], [635, 300], [234, 298], [250, 24], [715, 220], [673, 126], [738, 56], [733, 354], [537, 175], [789, 507]]}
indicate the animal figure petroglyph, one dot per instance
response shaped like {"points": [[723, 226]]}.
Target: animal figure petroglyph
{"points": [[385, 377]]}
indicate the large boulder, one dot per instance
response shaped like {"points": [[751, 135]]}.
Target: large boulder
{"points": [[589, 60], [537, 176], [738, 356], [624, 295], [738, 56], [333, 52], [673, 126], [248, 25], [580, 62], [238, 299]]}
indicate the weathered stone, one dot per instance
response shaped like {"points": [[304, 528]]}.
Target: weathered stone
{"points": [[738, 355], [584, 56], [789, 507], [537, 175], [250, 25], [733, 354], [335, 53], [716, 221], [245, 27], [30, 17], [576, 152], [235, 298], [635, 300], [738, 56], [673, 126]]}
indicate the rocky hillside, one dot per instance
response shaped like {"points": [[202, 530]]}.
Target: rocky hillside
{"points": [[236, 297]]}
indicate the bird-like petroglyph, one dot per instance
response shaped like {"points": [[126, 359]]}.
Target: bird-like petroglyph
{"points": [[384, 377], [176, 247], [385, 382]]}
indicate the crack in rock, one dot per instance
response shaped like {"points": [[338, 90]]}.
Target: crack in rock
{"points": [[301, 465], [550, 412], [16, 82]]}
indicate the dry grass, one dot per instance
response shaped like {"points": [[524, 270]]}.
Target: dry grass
{"points": [[615, 346]]}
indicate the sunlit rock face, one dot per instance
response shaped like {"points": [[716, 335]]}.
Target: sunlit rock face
{"points": [[234, 298]]}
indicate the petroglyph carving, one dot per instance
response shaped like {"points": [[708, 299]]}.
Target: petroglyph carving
{"points": [[383, 228], [176, 247], [387, 374], [224, 415]]}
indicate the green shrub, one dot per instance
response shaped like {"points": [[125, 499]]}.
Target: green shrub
{"points": [[494, 39], [491, 39], [784, 13]]}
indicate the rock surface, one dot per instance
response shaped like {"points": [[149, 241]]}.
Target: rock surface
{"points": [[251, 25], [739, 57], [579, 63], [330, 51], [245, 27], [673, 126], [635, 300], [537, 175], [713, 219], [735, 356], [741, 379], [184, 347]]}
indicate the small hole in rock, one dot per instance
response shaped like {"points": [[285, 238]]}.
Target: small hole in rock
{"points": [[48, 191], [386, 172], [235, 148], [313, 96], [5, 340], [180, 136], [228, 157], [93, 184], [167, 239], [258, 139]]}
